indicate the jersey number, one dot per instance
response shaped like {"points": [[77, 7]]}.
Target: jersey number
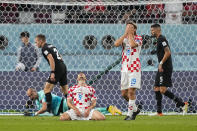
{"points": [[58, 55]]}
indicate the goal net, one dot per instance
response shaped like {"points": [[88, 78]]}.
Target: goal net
{"points": [[84, 32]]}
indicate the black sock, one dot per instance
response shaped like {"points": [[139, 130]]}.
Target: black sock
{"points": [[65, 96], [48, 100], [158, 96], [174, 98]]}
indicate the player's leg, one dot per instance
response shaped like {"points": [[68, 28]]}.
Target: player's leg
{"points": [[124, 94], [177, 100], [64, 90], [63, 81], [158, 95], [47, 91], [65, 117], [167, 82], [96, 115], [131, 105], [124, 85]]}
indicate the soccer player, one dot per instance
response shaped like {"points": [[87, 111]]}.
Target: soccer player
{"points": [[28, 55], [58, 104], [131, 68], [163, 76], [58, 68], [81, 100]]}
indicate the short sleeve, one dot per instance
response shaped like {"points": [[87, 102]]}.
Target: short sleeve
{"points": [[70, 93], [93, 94], [139, 40]]}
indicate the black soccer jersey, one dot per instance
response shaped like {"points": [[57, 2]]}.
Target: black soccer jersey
{"points": [[161, 44], [50, 49]]}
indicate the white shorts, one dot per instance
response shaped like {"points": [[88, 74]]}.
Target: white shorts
{"points": [[130, 80], [73, 115]]}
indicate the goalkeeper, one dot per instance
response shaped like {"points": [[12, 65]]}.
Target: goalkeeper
{"points": [[59, 104]]}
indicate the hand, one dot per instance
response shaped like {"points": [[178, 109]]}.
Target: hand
{"points": [[36, 113], [127, 30], [78, 113], [87, 112], [160, 68], [52, 77], [33, 69]]}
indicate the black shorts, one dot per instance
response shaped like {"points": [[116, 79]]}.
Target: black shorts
{"points": [[60, 75], [163, 79]]}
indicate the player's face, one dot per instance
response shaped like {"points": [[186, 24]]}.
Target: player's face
{"points": [[153, 31], [131, 28], [32, 95], [38, 42], [24, 39], [81, 76]]}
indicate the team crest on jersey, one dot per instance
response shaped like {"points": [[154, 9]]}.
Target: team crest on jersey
{"points": [[133, 81], [46, 52], [164, 43]]}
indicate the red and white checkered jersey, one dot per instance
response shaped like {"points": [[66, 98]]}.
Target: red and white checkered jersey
{"points": [[130, 56], [81, 96]]}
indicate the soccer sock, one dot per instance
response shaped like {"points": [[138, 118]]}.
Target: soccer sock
{"points": [[174, 98], [48, 100], [158, 96], [131, 107], [65, 96]]}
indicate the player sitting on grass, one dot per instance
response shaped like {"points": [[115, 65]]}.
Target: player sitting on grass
{"points": [[82, 100], [59, 104]]}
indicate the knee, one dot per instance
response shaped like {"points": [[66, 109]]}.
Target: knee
{"points": [[124, 93], [101, 117], [131, 92]]}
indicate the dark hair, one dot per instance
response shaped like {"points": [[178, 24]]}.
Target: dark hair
{"points": [[41, 37], [132, 23], [24, 34], [155, 26]]}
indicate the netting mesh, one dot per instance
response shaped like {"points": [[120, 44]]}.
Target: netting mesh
{"points": [[84, 32]]}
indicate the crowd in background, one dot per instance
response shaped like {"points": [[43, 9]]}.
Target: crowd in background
{"points": [[179, 13]]}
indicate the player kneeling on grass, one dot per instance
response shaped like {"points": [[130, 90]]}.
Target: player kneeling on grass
{"points": [[81, 100], [59, 104]]}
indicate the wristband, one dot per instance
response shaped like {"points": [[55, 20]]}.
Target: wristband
{"points": [[161, 63], [52, 71]]}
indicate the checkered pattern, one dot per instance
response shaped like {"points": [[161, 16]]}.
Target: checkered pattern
{"points": [[130, 56], [81, 95]]}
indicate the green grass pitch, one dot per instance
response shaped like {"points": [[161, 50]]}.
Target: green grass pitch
{"points": [[112, 123]]}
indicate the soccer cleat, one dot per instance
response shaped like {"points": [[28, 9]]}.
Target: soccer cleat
{"points": [[135, 114], [156, 114], [113, 110], [185, 108]]}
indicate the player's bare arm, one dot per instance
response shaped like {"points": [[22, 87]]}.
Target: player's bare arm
{"points": [[52, 65], [93, 104], [72, 106], [43, 109], [166, 56]]}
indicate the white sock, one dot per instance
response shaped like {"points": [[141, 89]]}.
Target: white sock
{"points": [[131, 107]]}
